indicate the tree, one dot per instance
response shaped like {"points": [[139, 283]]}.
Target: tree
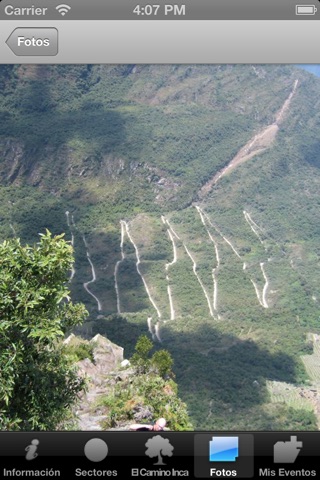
{"points": [[158, 446], [149, 391], [140, 358], [163, 362], [38, 382], [143, 347]]}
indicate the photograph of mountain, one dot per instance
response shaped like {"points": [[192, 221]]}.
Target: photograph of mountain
{"points": [[190, 196]]}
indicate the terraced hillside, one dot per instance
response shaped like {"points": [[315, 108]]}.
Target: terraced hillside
{"points": [[190, 195]]}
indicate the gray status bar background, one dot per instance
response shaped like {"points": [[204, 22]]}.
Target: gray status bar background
{"points": [[194, 10]]}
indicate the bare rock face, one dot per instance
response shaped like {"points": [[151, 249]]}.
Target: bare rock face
{"points": [[107, 358], [101, 375], [107, 355], [12, 153]]}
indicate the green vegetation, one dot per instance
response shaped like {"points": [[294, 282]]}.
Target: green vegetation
{"points": [[161, 361], [137, 142], [38, 383], [149, 390], [216, 371], [80, 351]]}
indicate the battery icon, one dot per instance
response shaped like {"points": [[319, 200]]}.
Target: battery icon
{"points": [[305, 9]]}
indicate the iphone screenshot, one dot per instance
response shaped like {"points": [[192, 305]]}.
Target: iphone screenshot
{"points": [[159, 239]]}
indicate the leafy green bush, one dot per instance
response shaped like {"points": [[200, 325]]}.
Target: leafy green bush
{"points": [[81, 351], [147, 392], [38, 382]]}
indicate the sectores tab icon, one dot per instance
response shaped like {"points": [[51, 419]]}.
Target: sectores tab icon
{"points": [[96, 450]]}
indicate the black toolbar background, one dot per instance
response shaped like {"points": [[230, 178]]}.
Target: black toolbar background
{"points": [[126, 458]]}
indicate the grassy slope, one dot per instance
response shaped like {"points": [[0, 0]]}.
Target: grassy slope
{"points": [[136, 142]]}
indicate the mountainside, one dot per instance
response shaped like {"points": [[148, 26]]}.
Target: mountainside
{"points": [[190, 195]]}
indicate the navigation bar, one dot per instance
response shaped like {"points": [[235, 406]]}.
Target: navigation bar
{"points": [[220, 42]]}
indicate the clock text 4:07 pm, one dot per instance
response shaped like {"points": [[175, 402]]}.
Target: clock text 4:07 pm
{"points": [[153, 10]]}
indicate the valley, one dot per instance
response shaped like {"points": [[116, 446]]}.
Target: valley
{"points": [[190, 196]]}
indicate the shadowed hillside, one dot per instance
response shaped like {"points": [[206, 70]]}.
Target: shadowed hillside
{"points": [[190, 195]]}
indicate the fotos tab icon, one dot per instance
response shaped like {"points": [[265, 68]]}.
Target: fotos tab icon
{"points": [[224, 449], [220, 454]]}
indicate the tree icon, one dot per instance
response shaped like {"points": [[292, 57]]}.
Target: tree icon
{"points": [[158, 446]]}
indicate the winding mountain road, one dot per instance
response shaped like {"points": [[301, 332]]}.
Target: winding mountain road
{"points": [[73, 271], [139, 271], [265, 288], [171, 235], [214, 270], [194, 268], [252, 224], [116, 268], [221, 234], [256, 145], [85, 285]]}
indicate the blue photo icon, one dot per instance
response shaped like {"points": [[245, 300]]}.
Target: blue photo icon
{"points": [[224, 449]]}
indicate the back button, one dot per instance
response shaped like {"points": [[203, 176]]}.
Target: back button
{"points": [[34, 41]]}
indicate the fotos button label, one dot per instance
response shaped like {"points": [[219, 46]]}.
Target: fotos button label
{"points": [[34, 41]]}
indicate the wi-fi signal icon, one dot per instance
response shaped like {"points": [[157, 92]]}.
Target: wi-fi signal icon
{"points": [[63, 9]]}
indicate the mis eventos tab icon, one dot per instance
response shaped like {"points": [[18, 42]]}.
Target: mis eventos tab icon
{"points": [[224, 449]]}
